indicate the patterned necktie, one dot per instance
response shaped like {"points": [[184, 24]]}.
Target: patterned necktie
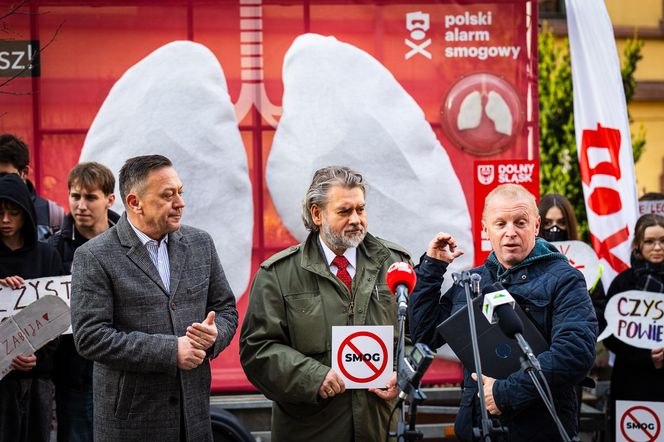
{"points": [[341, 262]]}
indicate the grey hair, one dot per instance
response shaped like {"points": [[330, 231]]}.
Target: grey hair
{"points": [[319, 189]]}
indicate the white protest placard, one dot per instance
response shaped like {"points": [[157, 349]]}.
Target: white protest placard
{"points": [[13, 301], [32, 328], [651, 206], [636, 318], [583, 258], [639, 421], [363, 355]]}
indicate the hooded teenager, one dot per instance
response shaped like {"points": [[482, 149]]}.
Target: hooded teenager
{"points": [[26, 393]]}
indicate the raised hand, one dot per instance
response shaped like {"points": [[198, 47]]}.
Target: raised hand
{"points": [[443, 247]]}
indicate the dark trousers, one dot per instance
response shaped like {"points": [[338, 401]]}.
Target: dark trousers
{"points": [[26, 409], [73, 408]]}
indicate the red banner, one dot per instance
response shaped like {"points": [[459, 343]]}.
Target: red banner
{"points": [[489, 175], [471, 67]]}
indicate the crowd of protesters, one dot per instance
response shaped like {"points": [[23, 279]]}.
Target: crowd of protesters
{"points": [[39, 240]]}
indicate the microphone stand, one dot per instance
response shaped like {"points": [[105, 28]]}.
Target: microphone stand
{"points": [[464, 279], [418, 397], [530, 365]]}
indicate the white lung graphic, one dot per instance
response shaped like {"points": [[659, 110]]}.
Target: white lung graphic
{"points": [[175, 102], [341, 106], [470, 111], [498, 111]]}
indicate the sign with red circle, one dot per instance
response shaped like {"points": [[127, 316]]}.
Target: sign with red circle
{"points": [[362, 355], [639, 421]]}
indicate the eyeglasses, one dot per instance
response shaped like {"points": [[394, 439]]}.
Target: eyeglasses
{"points": [[650, 243]]}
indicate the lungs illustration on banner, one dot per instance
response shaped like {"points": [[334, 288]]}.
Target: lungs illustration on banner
{"points": [[175, 102], [360, 116], [340, 106]]}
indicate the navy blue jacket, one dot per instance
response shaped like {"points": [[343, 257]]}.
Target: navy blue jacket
{"points": [[554, 296]]}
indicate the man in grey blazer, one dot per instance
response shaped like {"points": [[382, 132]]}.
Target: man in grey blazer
{"points": [[150, 306]]}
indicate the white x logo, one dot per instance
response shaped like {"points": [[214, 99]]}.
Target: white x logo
{"points": [[418, 49]]}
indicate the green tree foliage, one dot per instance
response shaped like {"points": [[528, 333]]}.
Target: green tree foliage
{"points": [[559, 165]]}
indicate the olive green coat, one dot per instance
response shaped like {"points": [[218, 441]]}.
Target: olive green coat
{"points": [[286, 339]]}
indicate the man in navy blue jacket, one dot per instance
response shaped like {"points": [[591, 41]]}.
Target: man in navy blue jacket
{"points": [[551, 292]]}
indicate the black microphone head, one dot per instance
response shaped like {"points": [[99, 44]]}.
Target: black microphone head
{"points": [[508, 321], [495, 287]]}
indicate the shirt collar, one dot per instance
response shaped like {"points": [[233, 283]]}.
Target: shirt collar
{"points": [[144, 238], [350, 254]]}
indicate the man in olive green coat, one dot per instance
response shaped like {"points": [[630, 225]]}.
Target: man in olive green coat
{"points": [[298, 295]]}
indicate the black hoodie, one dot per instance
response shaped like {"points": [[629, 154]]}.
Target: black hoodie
{"points": [[34, 260]]}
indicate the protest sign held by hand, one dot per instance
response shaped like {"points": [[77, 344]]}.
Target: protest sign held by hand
{"points": [[583, 258], [13, 300], [636, 318], [32, 328]]}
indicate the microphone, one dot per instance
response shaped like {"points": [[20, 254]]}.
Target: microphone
{"points": [[401, 281], [499, 307], [499, 299], [475, 279]]}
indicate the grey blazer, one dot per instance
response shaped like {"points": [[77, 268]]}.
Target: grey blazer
{"points": [[128, 323]]}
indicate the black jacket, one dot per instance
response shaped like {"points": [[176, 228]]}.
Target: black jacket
{"points": [[46, 226], [34, 260], [554, 296], [634, 377], [68, 239]]}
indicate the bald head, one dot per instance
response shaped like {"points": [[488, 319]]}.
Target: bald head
{"points": [[512, 192], [511, 221]]}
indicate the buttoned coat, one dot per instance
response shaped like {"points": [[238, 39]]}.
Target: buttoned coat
{"points": [[286, 339], [125, 320], [554, 296]]}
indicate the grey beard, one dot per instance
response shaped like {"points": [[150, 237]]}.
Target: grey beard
{"points": [[340, 241]]}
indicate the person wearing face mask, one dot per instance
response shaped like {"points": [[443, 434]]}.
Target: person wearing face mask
{"points": [[638, 373], [558, 220], [559, 224], [551, 292]]}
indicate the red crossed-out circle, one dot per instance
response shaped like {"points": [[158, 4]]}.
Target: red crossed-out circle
{"points": [[629, 414], [348, 342]]}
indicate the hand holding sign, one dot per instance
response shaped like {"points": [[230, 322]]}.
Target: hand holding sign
{"points": [[362, 355], [29, 330], [332, 385], [636, 318], [16, 293], [658, 357], [14, 282], [390, 391], [24, 363]]}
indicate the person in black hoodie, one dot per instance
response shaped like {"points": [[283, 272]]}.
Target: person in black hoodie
{"points": [[25, 393], [91, 195], [15, 158], [638, 373]]}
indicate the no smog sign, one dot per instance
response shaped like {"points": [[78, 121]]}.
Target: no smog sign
{"points": [[639, 421], [362, 355]]}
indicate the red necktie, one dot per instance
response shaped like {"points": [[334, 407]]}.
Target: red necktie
{"points": [[341, 262]]}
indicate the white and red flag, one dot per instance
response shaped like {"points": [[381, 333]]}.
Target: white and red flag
{"points": [[602, 135]]}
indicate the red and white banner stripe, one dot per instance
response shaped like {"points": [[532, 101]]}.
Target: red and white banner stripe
{"points": [[602, 135]]}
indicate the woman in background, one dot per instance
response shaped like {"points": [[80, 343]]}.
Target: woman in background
{"points": [[558, 219], [637, 372]]}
